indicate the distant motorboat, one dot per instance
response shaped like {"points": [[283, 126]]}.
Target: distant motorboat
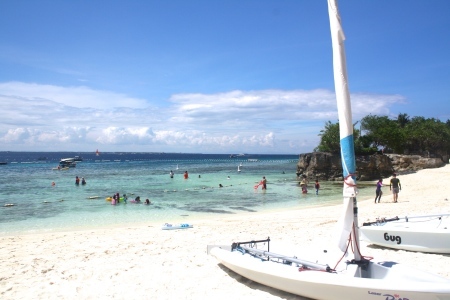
{"points": [[67, 162], [78, 158]]}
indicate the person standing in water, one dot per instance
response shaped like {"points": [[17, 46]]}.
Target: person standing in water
{"points": [[171, 174], [317, 186], [264, 183], [186, 175], [396, 187], [378, 191], [304, 184]]}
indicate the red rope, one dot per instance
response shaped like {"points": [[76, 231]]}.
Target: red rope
{"points": [[353, 250]]}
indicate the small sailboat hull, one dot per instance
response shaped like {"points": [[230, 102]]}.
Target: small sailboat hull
{"points": [[386, 280], [429, 234]]}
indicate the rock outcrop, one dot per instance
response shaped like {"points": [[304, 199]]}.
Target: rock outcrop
{"points": [[408, 163], [327, 166]]}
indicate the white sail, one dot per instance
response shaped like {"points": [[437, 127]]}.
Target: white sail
{"points": [[345, 124]]}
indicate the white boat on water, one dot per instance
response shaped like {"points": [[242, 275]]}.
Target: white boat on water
{"points": [[429, 233], [68, 162], [356, 278]]}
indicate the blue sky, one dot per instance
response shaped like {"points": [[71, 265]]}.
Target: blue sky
{"points": [[210, 76]]}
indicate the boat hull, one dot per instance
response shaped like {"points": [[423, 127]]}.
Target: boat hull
{"points": [[381, 281], [426, 236]]}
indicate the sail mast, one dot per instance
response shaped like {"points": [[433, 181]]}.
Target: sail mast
{"points": [[349, 220]]}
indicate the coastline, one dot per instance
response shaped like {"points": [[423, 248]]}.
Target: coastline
{"points": [[141, 260]]}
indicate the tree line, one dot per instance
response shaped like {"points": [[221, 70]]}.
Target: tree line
{"points": [[403, 135]]}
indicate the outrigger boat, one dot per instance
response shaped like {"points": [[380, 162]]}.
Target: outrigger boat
{"points": [[356, 278], [428, 233]]}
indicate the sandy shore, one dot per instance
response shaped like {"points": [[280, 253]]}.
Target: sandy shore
{"points": [[149, 263]]}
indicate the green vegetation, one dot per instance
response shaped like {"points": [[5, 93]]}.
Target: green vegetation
{"points": [[402, 135]]}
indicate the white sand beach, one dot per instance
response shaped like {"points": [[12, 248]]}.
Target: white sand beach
{"points": [[145, 262]]}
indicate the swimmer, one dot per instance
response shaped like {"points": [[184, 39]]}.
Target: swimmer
{"points": [[147, 202]]}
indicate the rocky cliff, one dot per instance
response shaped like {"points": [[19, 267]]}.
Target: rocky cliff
{"points": [[327, 166]]}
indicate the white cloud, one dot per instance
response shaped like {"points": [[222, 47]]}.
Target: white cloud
{"points": [[44, 117], [80, 96]]}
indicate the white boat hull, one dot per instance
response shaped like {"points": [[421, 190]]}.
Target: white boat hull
{"points": [[428, 234], [385, 280]]}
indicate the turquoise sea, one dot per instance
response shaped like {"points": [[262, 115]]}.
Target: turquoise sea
{"points": [[38, 206]]}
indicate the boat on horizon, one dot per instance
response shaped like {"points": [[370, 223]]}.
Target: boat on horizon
{"points": [[67, 162], [358, 277]]}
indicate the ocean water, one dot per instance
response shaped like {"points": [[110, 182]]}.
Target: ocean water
{"points": [[38, 206]]}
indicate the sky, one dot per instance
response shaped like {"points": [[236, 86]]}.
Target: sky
{"points": [[209, 76]]}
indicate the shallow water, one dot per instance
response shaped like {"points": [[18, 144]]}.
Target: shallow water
{"points": [[39, 206]]}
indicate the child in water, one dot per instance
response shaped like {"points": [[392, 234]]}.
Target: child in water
{"points": [[317, 186]]}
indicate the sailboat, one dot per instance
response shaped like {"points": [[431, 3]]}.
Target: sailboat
{"points": [[427, 233], [97, 153], [239, 169], [356, 278]]}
